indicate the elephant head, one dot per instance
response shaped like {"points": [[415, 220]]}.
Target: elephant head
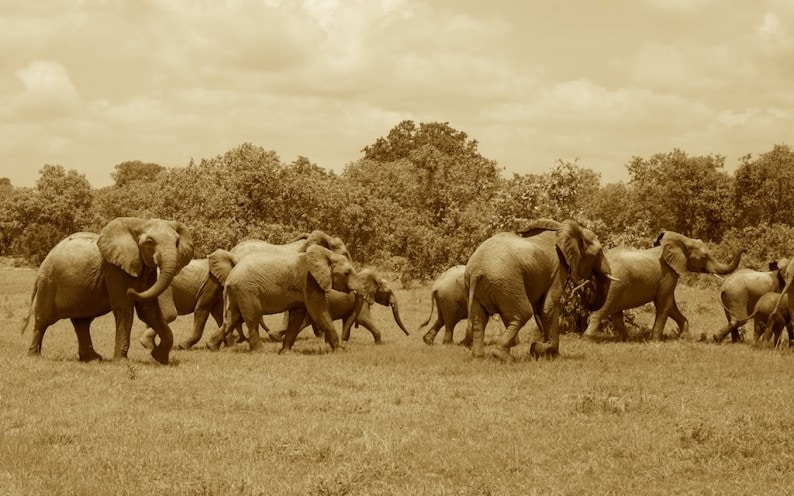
{"points": [[383, 295], [581, 252], [132, 243], [685, 254], [319, 238]]}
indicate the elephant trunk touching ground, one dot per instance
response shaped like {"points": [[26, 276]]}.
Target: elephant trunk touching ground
{"points": [[168, 266]]}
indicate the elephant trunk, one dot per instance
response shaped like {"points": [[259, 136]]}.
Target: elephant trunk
{"points": [[168, 269], [602, 283], [716, 267], [396, 313]]}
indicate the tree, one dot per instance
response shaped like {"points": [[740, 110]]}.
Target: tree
{"points": [[66, 199], [764, 186], [676, 192], [135, 171]]}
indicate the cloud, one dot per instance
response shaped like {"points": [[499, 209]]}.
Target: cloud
{"points": [[47, 91]]}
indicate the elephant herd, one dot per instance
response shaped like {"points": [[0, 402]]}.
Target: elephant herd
{"points": [[145, 266]]}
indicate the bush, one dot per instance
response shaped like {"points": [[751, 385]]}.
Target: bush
{"points": [[36, 241]]}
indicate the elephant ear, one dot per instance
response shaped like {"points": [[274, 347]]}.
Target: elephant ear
{"points": [[184, 243], [372, 286], [221, 263], [569, 241], [658, 241], [319, 262], [538, 226], [118, 244], [673, 252]]}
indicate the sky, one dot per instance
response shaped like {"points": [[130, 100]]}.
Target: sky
{"points": [[89, 84]]}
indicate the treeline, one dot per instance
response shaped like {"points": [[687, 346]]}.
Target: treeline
{"points": [[418, 201]]}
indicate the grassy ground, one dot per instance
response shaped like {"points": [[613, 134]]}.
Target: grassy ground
{"points": [[403, 418]]}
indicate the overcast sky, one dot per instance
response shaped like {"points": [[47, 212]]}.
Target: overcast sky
{"points": [[89, 84]]}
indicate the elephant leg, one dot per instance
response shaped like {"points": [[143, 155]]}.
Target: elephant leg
{"points": [[508, 338], [683, 323], [594, 324], [548, 321], [431, 333], [123, 316], [278, 335], [449, 330], [150, 313], [662, 312], [619, 325], [468, 337], [369, 325], [85, 348], [147, 338], [758, 329], [39, 329], [294, 321], [478, 319], [252, 323], [200, 316]]}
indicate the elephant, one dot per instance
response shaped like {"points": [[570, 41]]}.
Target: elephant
{"points": [[267, 283], [769, 320], [207, 291], [741, 290], [342, 306], [449, 296], [87, 275], [191, 291], [651, 275], [520, 274]]}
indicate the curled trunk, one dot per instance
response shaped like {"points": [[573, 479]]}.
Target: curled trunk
{"points": [[168, 269], [717, 267]]}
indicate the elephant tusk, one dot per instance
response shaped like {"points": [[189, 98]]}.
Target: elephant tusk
{"points": [[718, 277], [577, 288], [612, 278]]}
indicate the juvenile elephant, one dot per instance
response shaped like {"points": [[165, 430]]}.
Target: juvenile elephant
{"points": [[191, 291], [769, 321], [741, 290], [201, 286], [518, 275], [651, 275], [449, 296], [342, 306], [268, 283], [88, 275]]}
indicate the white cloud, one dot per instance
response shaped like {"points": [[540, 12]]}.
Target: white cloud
{"points": [[48, 91]]}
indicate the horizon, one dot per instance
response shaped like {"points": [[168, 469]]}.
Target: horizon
{"points": [[94, 84]]}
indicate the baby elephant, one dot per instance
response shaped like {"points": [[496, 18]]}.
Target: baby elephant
{"points": [[449, 297], [768, 325]]}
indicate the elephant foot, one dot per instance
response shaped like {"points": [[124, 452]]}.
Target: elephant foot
{"points": [[428, 339], [466, 342], [147, 342], [285, 351], [184, 345], [589, 335], [160, 355], [274, 337], [34, 352], [90, 356], [537, 350], [502, 354], [378, 341]]}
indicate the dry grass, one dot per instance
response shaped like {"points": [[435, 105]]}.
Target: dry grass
{"points": [[402, 418]]}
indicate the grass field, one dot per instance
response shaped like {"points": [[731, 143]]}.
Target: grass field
{"points": [[403, 418]]}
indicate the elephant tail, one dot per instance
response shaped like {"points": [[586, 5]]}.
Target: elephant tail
{"points": [[432, 305], [26, 320]]}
